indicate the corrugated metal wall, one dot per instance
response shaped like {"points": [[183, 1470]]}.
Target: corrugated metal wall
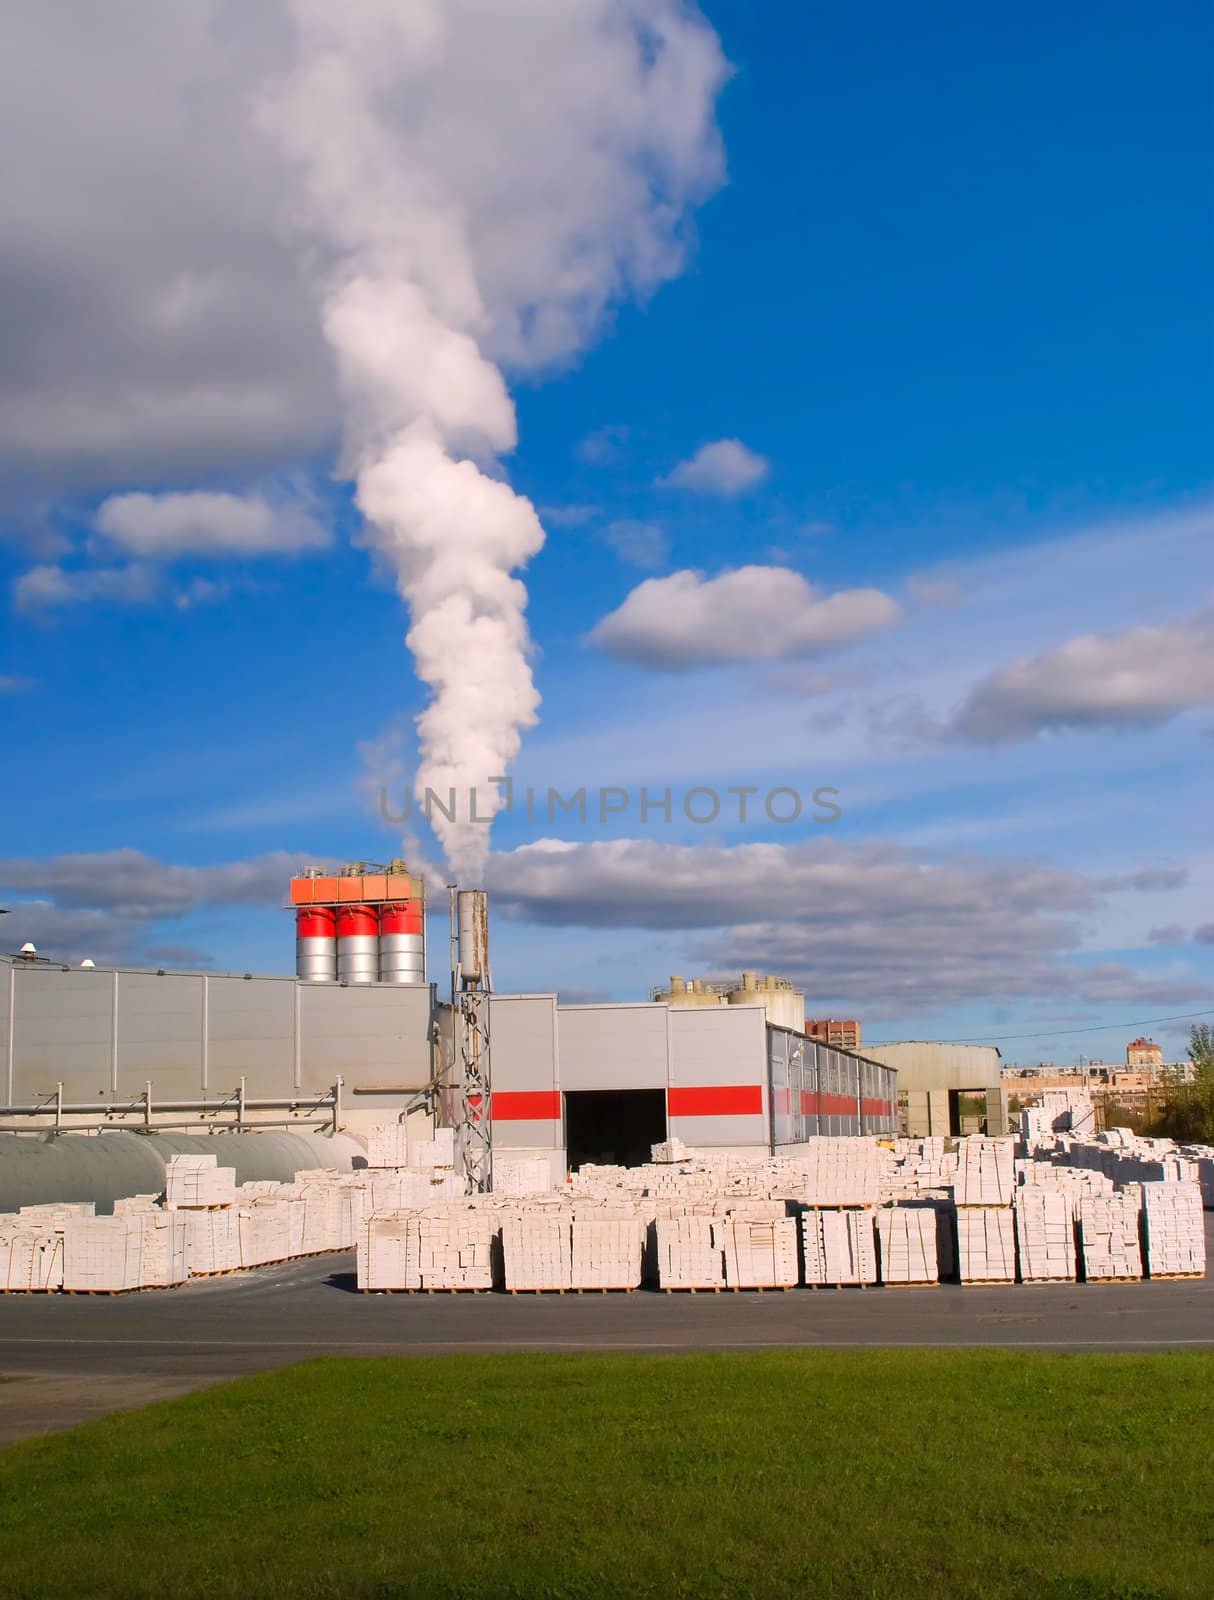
{"points": [[103, 1033], [816, 1089]]}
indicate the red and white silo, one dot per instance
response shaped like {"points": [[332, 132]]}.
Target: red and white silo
{"points": [[357, 944], [402, 942], [316, 944]]}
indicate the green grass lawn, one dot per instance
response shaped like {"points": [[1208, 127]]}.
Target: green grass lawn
{"points": [[893, 1474]]}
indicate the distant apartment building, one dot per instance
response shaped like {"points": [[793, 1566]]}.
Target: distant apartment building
{"points": [[1143, 1053], [830, 1030]]}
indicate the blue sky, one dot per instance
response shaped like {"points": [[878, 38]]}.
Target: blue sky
{"points": [[952, 303]]}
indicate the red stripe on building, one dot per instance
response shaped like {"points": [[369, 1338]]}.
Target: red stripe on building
{"points": [[527, 1105], [876, 1108], [838, 1105], [729, 1100]]}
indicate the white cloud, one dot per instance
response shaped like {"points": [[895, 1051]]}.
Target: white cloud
{"points": [[573, 516], [162, 527], [1137, 678], [724, 467], [640, 544], [54, 588], [749, 614], [867, 925], [605, 446], [102, 904]]}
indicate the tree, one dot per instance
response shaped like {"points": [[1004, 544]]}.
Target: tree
{"points": [[1188, 1106]]}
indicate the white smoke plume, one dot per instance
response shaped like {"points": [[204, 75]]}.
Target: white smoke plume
{"points": [[483, 181]]}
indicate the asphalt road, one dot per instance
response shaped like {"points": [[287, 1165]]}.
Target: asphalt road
{"points": [[65, 1358]]}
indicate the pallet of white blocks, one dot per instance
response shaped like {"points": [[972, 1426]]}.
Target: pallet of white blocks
{"points": [[607, 1249], [199, 1181], [521, 1175], [1045, 1234], [263, 1229], [689, 1253], [1108, 1236], [455, 1249], [668, 1152], [434, 1154], [537, 1250], [387, 1253], [212, 1241], [760, 1253], [387, 1145], [906, 1241], [31, 1256], [841, 1172], [986, 1244], [985, 1173], [141, 1250], [1174, 1230], [839, 1247]]}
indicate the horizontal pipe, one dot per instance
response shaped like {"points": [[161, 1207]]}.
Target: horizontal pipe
{"points": [[165, 1127], [48, 1108]]}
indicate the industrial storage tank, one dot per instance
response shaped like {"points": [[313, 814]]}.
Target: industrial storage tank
{"points": [[783, 1001], [682, 993], [114, 1163], [357, 944], [316, 944], [402, 942]]}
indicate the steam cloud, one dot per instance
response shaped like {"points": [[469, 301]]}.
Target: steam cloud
{"points": [[483, 182]]}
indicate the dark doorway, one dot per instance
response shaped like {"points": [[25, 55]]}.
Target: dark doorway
{"points": [[613, 1126]]}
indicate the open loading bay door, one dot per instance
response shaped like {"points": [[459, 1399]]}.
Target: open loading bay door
{"points": [[613, 1126]]}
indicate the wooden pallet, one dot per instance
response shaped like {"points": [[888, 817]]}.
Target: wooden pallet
{"points": [[539, 1291], [689, 1288], [615, 1288], [928, 1283], [1167, 1277]]}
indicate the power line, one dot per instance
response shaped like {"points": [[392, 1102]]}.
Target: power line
{"points": [[1057, 1033]]}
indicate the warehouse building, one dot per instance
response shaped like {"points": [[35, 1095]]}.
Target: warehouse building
{"points": [[603, 1082], [945, 1089]]}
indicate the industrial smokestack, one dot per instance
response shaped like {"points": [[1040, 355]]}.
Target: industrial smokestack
{"points": [[474, 939]]}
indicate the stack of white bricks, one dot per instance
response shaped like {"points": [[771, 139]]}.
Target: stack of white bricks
{"points": [[839, 1247], [906, 1237], [212, 1241], [689, 1253], [1108, 1233], [986, 1173], [537, 1250], [199, 1181], [436, 1154], [521, 1175], [387, 1253], [607, 1250], [668, 1151], [263, 1228], [1045, 1234], [760, 1253], [387, 1145], [138, 1250], [1174, 1230], [841, 1172], [31, 1255], [454, 1249], [986, 1244]]}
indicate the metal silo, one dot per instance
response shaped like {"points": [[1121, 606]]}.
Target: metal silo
{"points": [[474, 938], [402, 942], [316, 944], [358, 944]]}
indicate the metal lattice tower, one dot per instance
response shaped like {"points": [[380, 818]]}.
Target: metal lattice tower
{"points": [[471, 986]]}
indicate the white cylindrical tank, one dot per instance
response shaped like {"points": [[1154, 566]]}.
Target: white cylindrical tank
{"points": [[316, 944], [474, 937], [358, 944]]}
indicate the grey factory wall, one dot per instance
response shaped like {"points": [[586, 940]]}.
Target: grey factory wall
{"points": [[105, 1032]]}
